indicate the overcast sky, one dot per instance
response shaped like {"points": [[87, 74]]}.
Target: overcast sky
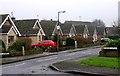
{"points": [[85, 10]]}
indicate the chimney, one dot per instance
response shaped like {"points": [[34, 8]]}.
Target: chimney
{"points": [[51, 19], [12, 17]]}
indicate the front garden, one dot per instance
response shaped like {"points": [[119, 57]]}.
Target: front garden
{"points": [[16, 49], [22, 46], [109, 62], [111, 49], [109, 56]]}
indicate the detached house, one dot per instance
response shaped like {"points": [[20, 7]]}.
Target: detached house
{"points": [[99, 32], [30, 28], [50, 28], [81, 28], [68, 30], [92, 32], [113, 30], [8, 30]]}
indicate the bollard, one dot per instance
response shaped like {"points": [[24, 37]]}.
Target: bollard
{"points": [[23, 50], [75, 44]]}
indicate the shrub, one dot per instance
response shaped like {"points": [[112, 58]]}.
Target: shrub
{"points": [[116, 37], [37, 50], [12, 52], [46, 38], [2, 50], [113, 43], [26, 42], [70, 42], [2, 44], [43, 48], [55, 39], [83, 41]]}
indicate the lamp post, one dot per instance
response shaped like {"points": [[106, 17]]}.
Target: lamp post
{"points": [[58, 27]]}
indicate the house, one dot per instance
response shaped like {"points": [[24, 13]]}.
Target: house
{"points": [[30, 28], [92, 32], [109, 30], [9, 31], [81, 28], [99, 32], [88, 30], [68, 30], [50, 28]]}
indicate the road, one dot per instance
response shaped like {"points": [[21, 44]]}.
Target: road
{"points": [[41, 65]]}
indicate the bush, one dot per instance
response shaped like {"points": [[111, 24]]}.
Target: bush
{"points": [[113, 43], [37, 50], [55, 39], [83, 41], [116, 37], [26, 42], [43, 48], [46, 38], [12, 52], [2, 44], [2, 50], [70, 42]]}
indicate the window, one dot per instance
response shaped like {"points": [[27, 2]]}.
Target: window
{"points": [[10, 39]]}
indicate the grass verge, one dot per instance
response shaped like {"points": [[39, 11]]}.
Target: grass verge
{"points": [[108, 62]]}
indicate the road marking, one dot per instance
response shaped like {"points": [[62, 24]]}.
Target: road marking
{"points": [[70, 54], [14, 65], [48, 59], [83, 52], [40, 60], [7, 67], [20, 64]]}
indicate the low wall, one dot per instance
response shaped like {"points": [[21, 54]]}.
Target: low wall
{"points": [[110, 52]]}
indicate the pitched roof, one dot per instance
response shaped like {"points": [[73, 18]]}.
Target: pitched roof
{"points": [[2, 17], [79, 29], [91, 29], [100, 30], [48, 26], [26, 26], [6, 28], [79, 22], [66, 28]]}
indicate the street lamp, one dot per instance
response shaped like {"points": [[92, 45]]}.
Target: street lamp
{"points": [[58, 27]]}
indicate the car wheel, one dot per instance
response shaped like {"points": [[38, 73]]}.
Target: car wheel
{"points": [[50, 47], [35, 46]]}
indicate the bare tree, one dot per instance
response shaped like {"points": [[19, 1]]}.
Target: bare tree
{"points": [[99, 22]]}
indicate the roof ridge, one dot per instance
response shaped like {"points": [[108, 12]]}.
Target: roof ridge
{"points": [[26, 19], [3, 14]]}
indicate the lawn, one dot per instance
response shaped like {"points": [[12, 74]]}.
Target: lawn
{"points": [[109, 62]]}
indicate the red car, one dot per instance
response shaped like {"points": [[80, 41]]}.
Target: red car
{"points": [[45, 43]]}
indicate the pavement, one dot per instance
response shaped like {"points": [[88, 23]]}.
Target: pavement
{"points": [[70, 66], [22, 58]]}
